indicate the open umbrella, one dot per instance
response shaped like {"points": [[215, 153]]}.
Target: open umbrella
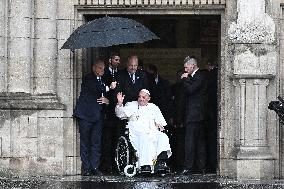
{"points": [[108, 31]]}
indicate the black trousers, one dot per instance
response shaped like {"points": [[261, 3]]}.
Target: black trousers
{"points": [[211, 144], [90, 144], [195, 149], [177, 146], [112, 130]]}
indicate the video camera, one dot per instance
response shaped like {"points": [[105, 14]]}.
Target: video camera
{"points": [[278, 107]]}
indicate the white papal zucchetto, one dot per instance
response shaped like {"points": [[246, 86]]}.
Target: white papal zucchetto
{"points": [[146, 91]]}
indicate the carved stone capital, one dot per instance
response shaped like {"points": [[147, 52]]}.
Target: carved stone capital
{"points": [[249, 63], [253, 24]]}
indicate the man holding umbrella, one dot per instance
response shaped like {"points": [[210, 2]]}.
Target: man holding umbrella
{"points": [[111, 71], [111, 131], [89, 112]]}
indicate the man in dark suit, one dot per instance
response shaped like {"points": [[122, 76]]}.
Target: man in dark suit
{"points": [[111, 71], [89, 112], [194, 89], [160, 90], [131, 81], [111, 130], [177, 114], [211, 126]]}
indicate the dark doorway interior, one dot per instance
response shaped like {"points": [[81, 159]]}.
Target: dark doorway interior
{"points": [[180, 36]]}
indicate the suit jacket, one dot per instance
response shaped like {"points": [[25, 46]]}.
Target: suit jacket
{"points": [[212, 93], [161, 95], [129, 89], [194, 91], [177, 107], [87, 107], [108, 78], [111, 95]]}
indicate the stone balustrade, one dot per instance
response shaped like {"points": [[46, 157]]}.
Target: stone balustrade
{"points": [[150, 2]]}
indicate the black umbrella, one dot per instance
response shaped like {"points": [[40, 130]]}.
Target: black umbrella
{"points": [[108, 31]]}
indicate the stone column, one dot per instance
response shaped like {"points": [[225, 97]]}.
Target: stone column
{"points": [[254, 158], [45, 57], [19, 46], [3, 45], [254, 68]]}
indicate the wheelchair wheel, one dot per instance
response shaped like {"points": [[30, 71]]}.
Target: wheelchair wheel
{"points": [[130, 170], [122, 154]]}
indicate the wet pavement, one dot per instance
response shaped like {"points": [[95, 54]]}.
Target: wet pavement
{"points": [[137, 182]]}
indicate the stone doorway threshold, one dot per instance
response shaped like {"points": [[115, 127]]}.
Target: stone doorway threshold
{"points": [[209, 181]]}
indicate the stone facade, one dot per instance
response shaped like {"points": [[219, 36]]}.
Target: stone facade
{"points": [[39, 82]]}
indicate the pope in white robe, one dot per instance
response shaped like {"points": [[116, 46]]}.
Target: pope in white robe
{"points": [[145, 123]]}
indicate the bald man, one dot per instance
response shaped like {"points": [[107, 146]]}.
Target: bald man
{"points": [[89, 112], [131, 80]]}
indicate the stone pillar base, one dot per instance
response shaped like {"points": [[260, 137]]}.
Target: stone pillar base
{"points": [[31, 135], [255, 169], [255, 163]]}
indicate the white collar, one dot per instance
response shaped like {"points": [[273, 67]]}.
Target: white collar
{"points": [[194, 72], [157, 79], [112, 69]]}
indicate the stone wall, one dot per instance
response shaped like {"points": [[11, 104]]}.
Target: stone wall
{"points": [[281, 84], [249, 134], [39, 84], [37, 132]]}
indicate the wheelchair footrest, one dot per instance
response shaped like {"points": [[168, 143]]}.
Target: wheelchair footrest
{"points": [[145, 169]]}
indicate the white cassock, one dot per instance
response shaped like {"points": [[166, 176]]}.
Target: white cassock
{"points": [[145, 137]]}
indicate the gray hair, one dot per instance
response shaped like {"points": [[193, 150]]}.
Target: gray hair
{"points": [[190, 60]]}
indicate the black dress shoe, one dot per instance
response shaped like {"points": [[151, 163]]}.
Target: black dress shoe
{"points": [[186, 172], [145, 169], [96, 172], [161, 167], [86, 173]]}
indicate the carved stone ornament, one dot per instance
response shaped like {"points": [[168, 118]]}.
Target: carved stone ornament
{"points": [[253, 24], [250, 64]]}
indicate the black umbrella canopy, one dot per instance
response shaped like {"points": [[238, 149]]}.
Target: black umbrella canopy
{"points": [[108, 31]]}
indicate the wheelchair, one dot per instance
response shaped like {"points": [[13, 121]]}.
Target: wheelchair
{"points": [[126, 158]]}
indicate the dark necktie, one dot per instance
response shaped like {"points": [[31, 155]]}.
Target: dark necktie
{"points": [[100, 80], [102, 86], [133, 78]]}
